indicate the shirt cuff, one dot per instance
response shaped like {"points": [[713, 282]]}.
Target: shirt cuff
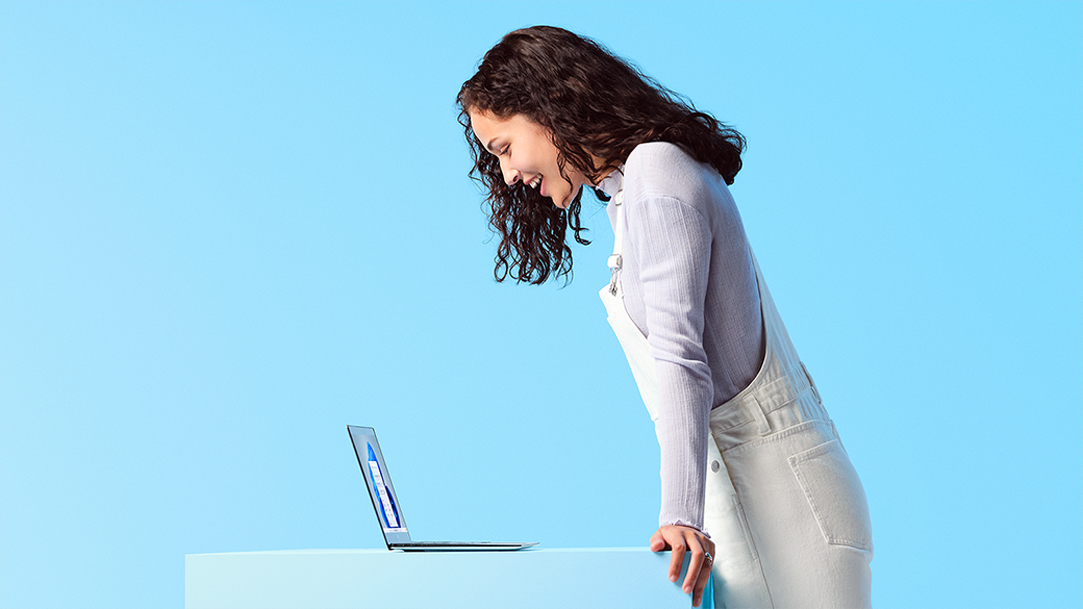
{"points": [[680, 523]]}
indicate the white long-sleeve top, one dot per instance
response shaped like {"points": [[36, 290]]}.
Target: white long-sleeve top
{"points": [[690, 287]]}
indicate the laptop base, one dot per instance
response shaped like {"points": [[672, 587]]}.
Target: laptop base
{"points": [[461, 546]]}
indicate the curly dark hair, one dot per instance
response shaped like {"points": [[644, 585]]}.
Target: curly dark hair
{"points": [[595, 106]]}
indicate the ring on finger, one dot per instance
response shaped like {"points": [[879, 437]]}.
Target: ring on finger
{"points": [[710, 559]]}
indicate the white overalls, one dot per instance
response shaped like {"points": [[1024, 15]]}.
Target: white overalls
{"points": [[783, 504]]}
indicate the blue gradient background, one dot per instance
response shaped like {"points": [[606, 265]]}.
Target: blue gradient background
{"points": [[229, 229]]}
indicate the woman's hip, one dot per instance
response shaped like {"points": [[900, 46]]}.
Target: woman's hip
{"points": [[805, 509]]}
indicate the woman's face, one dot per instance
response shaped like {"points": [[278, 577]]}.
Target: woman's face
{"points": [[527, 155]]}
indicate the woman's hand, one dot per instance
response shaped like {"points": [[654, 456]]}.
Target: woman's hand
{"points": [[681, 539]]}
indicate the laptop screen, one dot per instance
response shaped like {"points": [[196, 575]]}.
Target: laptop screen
{"points": [[378, 481]]}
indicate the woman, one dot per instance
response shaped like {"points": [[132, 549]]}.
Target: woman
{"points": [[756, 486]]}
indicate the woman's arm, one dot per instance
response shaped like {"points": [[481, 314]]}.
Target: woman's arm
{"points": [[671, 257], [670, 243]]}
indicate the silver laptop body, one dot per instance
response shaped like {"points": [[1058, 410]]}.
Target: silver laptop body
{"points": [[388, 510]]}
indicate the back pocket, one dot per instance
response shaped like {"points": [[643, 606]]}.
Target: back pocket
{"points": [[835, 495]]}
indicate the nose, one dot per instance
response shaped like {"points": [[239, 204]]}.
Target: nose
{"points": [[511, 175]]}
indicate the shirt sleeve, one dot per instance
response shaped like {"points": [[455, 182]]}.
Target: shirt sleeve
{"points": [[672, 245]]}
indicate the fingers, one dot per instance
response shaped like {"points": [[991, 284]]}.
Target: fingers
{"points": [[682, 540], [657, 542], [675, 561], [695, 563], [704, 575]]}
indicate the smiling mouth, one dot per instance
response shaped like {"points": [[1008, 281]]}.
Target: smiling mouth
{"points": [[535, 182]]}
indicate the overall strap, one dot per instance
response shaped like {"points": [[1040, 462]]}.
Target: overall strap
{"points": [[618, 243]]}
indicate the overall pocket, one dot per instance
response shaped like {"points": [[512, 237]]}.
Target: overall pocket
{"points": [[835, 495]]}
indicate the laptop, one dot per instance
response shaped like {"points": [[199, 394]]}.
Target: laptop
{"points": [[389, 511]]}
